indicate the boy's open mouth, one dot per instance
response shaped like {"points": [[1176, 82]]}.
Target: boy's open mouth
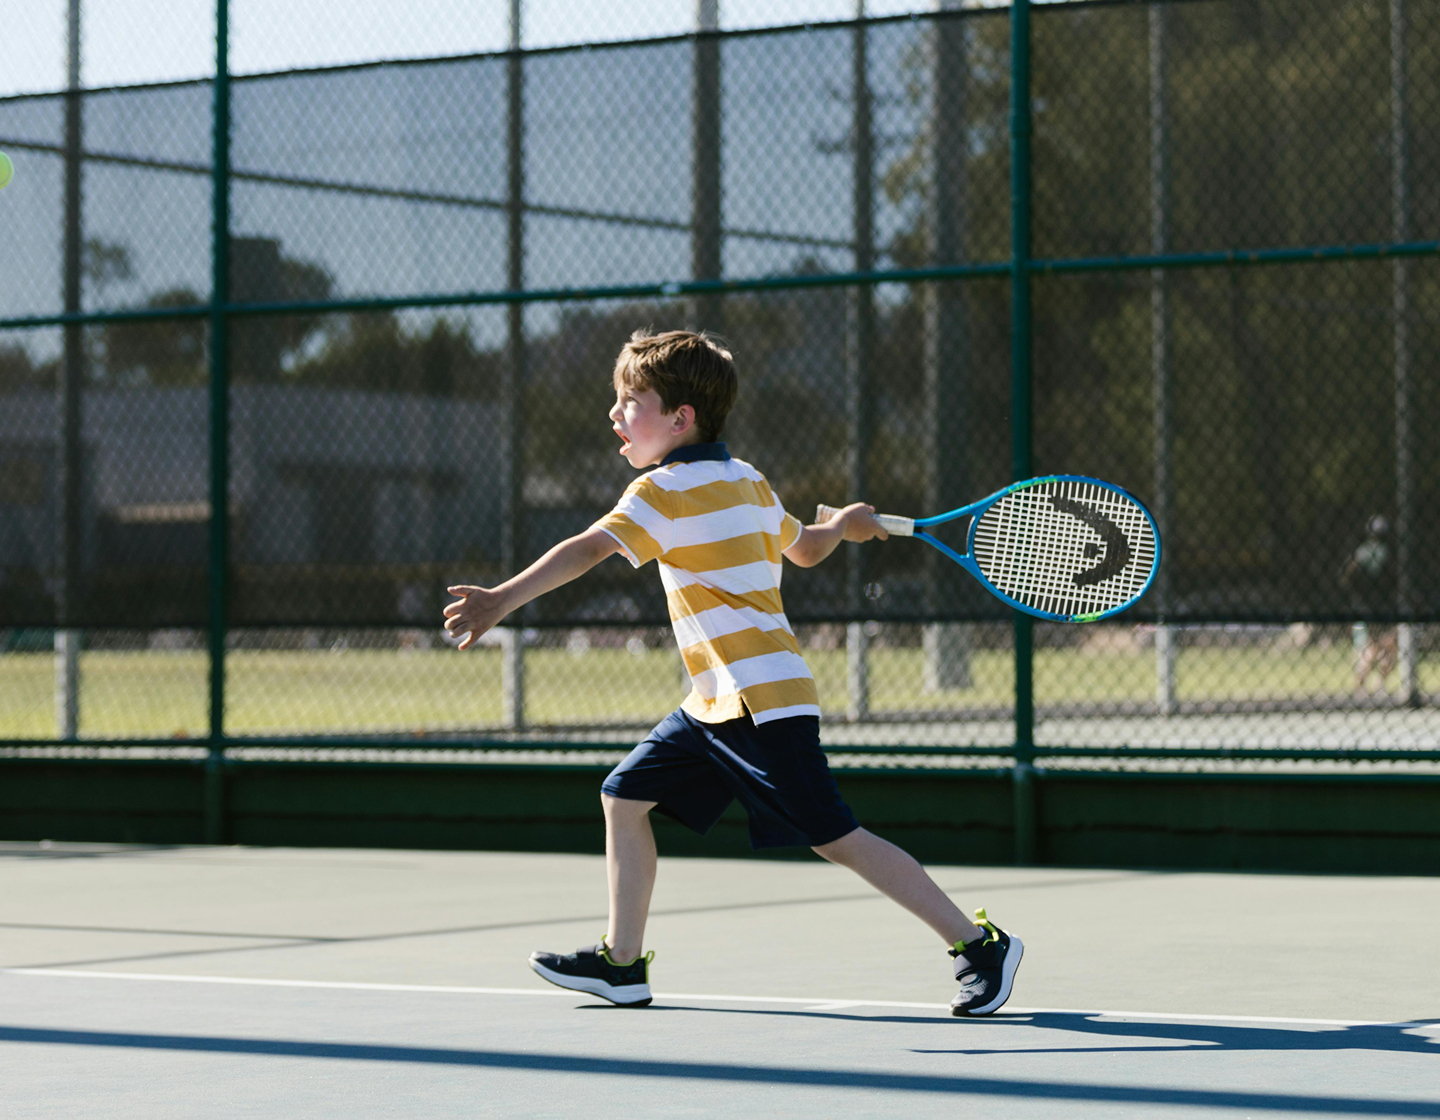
{"points": [[624, 442]]}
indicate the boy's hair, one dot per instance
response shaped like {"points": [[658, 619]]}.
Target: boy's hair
{"points": [[682, 367]]}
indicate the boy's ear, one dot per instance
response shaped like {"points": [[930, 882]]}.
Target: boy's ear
{"points": [[684, 419]]}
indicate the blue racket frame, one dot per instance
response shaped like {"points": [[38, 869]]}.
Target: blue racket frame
{"points": [[976, 509]]}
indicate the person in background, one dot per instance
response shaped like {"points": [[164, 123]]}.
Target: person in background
{"points": [[1369, 576]]}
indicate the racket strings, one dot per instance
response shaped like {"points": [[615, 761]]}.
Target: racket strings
{"points": [[1033, 552]]}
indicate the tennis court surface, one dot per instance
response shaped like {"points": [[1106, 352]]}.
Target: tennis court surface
{"points": [[235, 982]]}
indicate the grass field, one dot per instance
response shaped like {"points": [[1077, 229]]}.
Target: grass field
{"points": [[163, 693]]}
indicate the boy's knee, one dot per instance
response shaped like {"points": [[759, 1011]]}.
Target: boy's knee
{"points": [[838, 851], [623, 807]]}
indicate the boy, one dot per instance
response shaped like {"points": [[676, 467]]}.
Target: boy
{"points": [[750, 727]]}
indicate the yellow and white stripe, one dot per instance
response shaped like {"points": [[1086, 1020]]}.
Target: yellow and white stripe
{"points": [[717, 532]]}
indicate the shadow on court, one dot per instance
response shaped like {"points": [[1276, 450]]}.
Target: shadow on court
{"points": [[1370, 1037], [1390, 1037]]}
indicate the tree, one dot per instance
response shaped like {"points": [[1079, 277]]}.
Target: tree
{"points": [[19, 370], [373, 350]]}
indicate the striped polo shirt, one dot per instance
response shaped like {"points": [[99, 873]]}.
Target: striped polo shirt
{"points": [[717, 530]]}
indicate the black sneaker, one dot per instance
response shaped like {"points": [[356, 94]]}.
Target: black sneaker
{"points": [[591, 970], [985, 970]]}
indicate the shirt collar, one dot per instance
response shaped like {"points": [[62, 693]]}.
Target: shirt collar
{"points": [[695, 452]]}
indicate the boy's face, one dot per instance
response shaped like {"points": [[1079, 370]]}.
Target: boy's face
{"points": [[648, 433]]}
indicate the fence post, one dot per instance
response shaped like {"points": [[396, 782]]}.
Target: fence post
{"points": [[1404, 438], [1166, 648], [512, 639], [1026, 823], [859, 348], [69, 434], [705, 248], [857, 672], [512, 676], [219, 572], [946, 645]]}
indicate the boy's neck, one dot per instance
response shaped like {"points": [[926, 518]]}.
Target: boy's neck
{"points": [[689, 439]]}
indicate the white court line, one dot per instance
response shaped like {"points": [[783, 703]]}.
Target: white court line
{"points": [[264, 983], [811, 1004]]}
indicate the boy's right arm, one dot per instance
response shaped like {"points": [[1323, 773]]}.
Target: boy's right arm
{"points": [[478, 609], [856, 522]]}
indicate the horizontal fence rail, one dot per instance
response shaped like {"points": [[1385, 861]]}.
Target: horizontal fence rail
{"points": [[1230, 258]]}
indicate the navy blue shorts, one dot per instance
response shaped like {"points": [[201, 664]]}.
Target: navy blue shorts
{"points": [[693, 770]]}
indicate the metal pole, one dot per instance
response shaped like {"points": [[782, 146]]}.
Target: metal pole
{"points": [[1165, 646], [219, 573], [512, 677], [859, 350], [512, 639], [1404, 435], [707, 311], [69, 435], [946, 645], [1021, 430]]}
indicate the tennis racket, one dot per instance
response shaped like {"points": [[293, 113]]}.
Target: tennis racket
{"points": [[1063, 547]]}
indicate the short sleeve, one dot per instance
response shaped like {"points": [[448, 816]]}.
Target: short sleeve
{"points": [[790, 525], [640, 522], [790, 530]]}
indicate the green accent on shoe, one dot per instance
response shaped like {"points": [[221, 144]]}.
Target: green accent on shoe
{"points": [[992, 932], [605, 952]]}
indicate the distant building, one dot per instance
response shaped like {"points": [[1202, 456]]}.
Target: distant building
{"points": [[346, 479]]}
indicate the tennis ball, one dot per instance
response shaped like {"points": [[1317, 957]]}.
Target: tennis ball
{"points": [[7, 171]]}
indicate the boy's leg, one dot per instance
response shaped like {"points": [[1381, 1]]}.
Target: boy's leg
{"points": [[614, 969], [630, 866], [985, 957], [666, 769], [895, 872]]}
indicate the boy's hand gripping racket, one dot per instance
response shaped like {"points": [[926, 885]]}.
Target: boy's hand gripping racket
{"points": [[1064, 547]]}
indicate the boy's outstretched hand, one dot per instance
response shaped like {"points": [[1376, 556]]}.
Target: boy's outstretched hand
{"points": [[477, 610]]}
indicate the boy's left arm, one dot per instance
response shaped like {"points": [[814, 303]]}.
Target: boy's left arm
{"points": [[479, 609], [855, 522]]}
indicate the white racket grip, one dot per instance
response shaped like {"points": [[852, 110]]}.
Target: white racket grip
{"points": [[895, 526]]}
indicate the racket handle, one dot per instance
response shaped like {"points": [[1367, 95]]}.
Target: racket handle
{"points": [[895, 526]]}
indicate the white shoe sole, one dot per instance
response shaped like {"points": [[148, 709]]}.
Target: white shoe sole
{"points": [[626, 995], [1007, 980]]}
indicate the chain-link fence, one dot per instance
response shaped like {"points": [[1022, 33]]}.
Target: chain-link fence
{"points": [[1218, 216]]}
